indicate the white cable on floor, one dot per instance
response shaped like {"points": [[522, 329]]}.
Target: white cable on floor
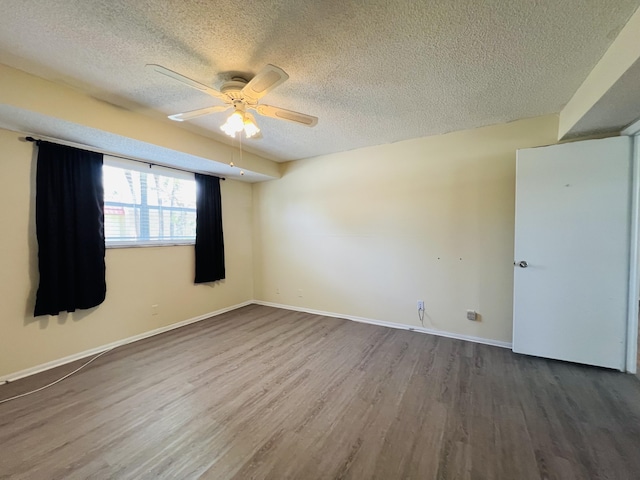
{"points": [[57, 381]]}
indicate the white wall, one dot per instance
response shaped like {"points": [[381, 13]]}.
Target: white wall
{"points": [[371, 231], [136, 277]]}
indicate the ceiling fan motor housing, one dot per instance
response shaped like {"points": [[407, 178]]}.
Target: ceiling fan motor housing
{"points": [[233, 88]]}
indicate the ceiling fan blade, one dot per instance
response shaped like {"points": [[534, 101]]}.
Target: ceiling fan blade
{"points": [[282, 114], [187, 81], [266, 80], [181, 117]]}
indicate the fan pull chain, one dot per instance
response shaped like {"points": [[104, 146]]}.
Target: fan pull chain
{"points": [[231, 164], [240, 140]]}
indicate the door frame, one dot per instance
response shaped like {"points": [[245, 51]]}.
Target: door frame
{"points": [[634, 267]]}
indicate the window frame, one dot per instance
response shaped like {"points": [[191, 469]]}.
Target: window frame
{"points": [[124, 164]]}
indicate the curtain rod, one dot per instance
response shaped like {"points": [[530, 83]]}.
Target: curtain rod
{"points": [[104, 152]]}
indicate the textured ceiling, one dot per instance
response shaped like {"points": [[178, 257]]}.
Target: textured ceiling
{"points": [[374, 72]]}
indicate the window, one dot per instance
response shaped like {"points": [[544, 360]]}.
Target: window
{"points": [[147, 206]]}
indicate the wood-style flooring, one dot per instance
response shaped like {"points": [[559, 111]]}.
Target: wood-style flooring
{"points": [[266, 393]]}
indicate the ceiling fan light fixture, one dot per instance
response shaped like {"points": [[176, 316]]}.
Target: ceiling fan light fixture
{"points": [[250, 126], [239, 121], [234, 124]]}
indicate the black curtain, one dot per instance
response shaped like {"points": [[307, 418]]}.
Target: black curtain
{"points": [[70, 229], [209, 238]]}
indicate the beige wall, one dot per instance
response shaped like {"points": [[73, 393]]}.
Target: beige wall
{"points": [[363, 233], [369, 232], [136, 277]]}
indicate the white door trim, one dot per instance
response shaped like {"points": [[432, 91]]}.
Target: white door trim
{"points": [[633, 129], [632, 321]]}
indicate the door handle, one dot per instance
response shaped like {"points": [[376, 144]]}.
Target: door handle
{"points": [[521, 264]]}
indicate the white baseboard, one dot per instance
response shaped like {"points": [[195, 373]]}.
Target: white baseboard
{"points": [[87, 353], [400, 326]]}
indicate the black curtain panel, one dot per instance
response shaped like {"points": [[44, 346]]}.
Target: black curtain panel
{"points": [[70, 229], [209, 238]]}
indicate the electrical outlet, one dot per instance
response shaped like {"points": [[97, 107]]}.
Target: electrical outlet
{"points": [[277, 290], [300, 292], [154, 309], [472, 315], [421, 305]]}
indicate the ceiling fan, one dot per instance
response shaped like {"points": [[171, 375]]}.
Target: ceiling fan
{"points": [[241, 95]]}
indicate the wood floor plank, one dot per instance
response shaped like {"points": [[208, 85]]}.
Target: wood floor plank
{"points": [[276, 394]]}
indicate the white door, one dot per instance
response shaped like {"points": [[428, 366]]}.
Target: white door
{"points": [[573, 209]]}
